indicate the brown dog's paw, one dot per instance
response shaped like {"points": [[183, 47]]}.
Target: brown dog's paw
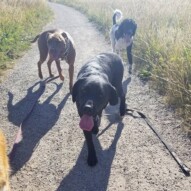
{"points": [[51, 75], [62, 77], [40, 76]]}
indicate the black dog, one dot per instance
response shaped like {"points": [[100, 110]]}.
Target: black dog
{"points": [[121, 36], [99, 82]]}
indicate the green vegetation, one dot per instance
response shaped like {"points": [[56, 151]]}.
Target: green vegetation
{"points": [[162, 44], [20, 20]]}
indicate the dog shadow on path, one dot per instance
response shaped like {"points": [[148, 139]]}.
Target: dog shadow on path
{"points": [[42, 119], [18, 111], [83, 177]]}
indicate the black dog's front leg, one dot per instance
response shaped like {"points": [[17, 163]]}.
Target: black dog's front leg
{"points": [[122, 107], [92, 159], [129, 56], [97, 121]]}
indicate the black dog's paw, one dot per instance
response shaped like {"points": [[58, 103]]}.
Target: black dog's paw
{"points": [[92, 161]]}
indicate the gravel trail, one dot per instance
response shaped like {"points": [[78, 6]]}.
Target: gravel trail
{"points": [[52, 155]]}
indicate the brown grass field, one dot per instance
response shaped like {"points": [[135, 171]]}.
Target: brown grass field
{"points": [[19, 20]]}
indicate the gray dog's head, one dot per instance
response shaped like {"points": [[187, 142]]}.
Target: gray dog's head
{"points": [[56, 43], [126, 29]]}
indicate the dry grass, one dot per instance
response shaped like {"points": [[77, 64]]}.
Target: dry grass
{"points": [[19, 20], [162, 44]]}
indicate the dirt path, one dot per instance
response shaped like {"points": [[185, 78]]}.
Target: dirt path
{"points": [[52, 156]]}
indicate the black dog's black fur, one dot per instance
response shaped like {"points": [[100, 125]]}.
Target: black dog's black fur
{"points": [[99, 82]]}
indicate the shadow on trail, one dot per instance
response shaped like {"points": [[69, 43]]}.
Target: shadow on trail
{"points": [[19, 110], [83, 177], [42, 119]]}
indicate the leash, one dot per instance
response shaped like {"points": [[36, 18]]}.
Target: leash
{"points": [[184, 168], [19, 135]]}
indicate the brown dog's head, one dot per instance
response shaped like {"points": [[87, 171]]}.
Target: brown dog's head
{"points": [[56, 43]]}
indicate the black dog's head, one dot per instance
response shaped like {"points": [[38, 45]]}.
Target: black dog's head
{"points": [[91, 95], [126, 29]]}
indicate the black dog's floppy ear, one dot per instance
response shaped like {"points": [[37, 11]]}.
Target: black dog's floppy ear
{"points": [[64, 35], [76, 89], [113, 96]]}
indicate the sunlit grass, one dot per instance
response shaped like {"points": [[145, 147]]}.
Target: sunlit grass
{"points": [[19, 21], [162, 45]]}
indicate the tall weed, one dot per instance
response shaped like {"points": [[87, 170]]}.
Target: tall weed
{"points": [[19, 21]]}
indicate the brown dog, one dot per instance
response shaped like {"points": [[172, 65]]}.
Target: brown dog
{"points": [[59, 45], [4, 165]]}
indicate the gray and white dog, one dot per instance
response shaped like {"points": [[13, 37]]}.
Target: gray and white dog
{"points": [[121, 35]]}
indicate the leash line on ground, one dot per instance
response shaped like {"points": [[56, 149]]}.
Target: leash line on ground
{"points": [[184, 168]]}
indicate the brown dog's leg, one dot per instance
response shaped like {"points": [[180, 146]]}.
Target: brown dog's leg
{"points": [[49, 67], [70, 61], [71, 75], [39, 69], [59, 70], [43, 50]]}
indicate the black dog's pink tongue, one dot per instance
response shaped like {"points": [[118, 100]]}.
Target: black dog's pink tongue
{"points": [[86, 123]]}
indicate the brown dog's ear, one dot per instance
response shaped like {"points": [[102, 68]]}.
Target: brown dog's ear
{"points": [[64, 35], [113, 99], [76, 89]]}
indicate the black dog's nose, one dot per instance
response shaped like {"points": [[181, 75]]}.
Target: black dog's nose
{"points": [[88, 108]]}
